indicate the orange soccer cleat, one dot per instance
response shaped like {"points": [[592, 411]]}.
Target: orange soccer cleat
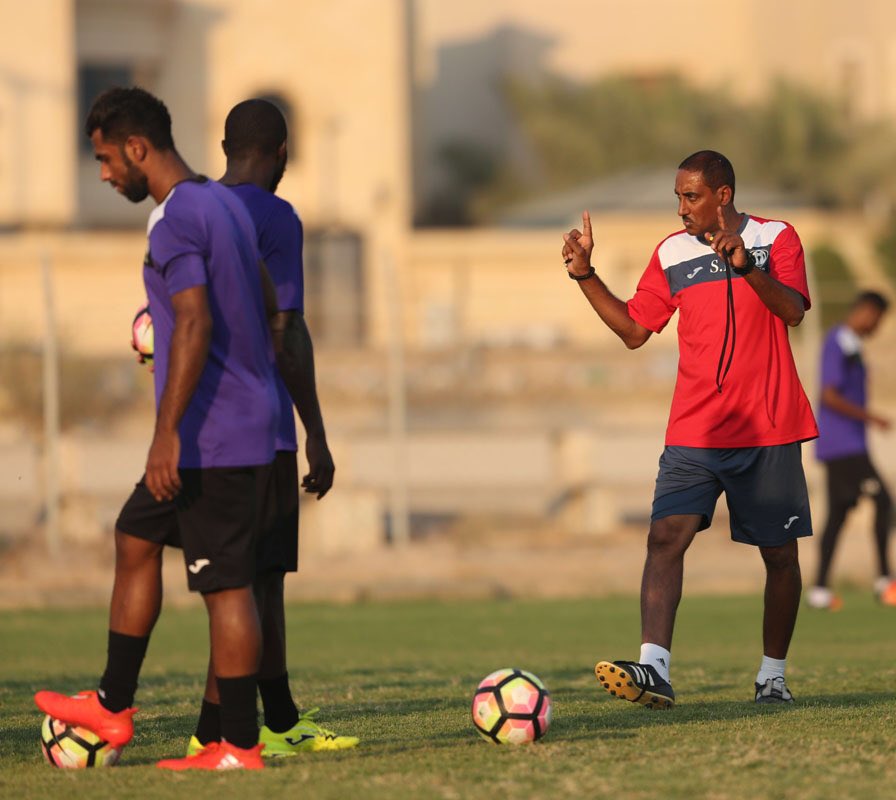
{"points": [[887, 595], [85, 710], [217, 755]]}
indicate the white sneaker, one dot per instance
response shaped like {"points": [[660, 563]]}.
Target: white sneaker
{"points": [[774, 690], [823, 598]]}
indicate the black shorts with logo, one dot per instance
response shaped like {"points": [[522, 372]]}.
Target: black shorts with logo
{"points": [[278, 550], [217, 518], [765, 488], [850, 477]]}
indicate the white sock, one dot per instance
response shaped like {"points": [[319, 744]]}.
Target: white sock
{"points": [[658, 657], [771, 668]]}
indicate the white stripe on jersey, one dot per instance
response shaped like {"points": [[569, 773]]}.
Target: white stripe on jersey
{"points": [[684, 247], [158, 213]]}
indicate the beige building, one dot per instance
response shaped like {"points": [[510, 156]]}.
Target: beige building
{"points": [[346, 95], [373, 88]]}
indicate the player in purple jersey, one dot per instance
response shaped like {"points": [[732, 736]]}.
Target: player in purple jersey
{"points": [[213, 446], [843, 419], [255, 138]]}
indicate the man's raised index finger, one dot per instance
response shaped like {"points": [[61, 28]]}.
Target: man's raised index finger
{"points": [[721, 217], [586, 223]]}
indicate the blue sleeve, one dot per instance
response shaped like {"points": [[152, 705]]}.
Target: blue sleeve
{"points": [[280, 239], [833, 363]]}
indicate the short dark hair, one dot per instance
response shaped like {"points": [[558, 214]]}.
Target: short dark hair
{"points": [[121, 112], [871, 298], [254, 126], [714, 167]]}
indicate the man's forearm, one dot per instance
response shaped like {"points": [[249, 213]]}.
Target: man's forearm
{"points": [[187, 356], [831, 398], [781, 300], [613, 312], [295, 361]]}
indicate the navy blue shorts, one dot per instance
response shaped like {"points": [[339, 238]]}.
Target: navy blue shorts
{"points": [[765, 488]]}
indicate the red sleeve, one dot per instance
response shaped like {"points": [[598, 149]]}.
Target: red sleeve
{"points": [[652, 306], [788, 263]]}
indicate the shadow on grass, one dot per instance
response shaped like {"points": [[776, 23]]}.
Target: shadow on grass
{"points": [[620, 720]]}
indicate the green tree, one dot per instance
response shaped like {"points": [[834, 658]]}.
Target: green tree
{"points": [[835, 285]]}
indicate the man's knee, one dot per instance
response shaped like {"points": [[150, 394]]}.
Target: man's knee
{"points": [[672, 535], [783, 557], [132, 552]]}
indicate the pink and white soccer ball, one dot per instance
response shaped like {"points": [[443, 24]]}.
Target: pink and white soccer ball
{"points": [[72, 747], [512, 706], [142, 338]]}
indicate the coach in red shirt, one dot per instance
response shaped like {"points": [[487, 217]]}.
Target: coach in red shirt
{"points": [[739, 412]]}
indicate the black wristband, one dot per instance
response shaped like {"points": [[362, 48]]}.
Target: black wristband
{"points": [[584, 276], [746, 269]]}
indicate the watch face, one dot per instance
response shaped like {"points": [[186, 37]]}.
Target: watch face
{"points": [[758, 257]]}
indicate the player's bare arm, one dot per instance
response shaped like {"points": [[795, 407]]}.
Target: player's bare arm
{"points": [[187, 356], [268, 294], [834, 400], [577, 249], [295, 362], [781, 300]]}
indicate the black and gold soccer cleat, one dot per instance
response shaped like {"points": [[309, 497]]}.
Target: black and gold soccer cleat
{"points": [[637, 683]]}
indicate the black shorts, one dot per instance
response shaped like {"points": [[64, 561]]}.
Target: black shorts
{"points": [[216, 518], [765, 488], [278, 550], [851, 477]]}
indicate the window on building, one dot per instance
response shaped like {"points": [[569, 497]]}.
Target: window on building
{"points": [[334, 287]]}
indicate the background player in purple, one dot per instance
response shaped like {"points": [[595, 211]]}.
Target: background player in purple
{"points": [[843, 420], [213, 445], [255, 143]]}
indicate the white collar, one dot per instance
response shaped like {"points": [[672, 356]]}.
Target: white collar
{"points": [[850, 342]]}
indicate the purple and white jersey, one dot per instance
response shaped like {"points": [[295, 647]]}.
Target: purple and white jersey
{"points": [[280, 237], [201, 235], [843, 369]]}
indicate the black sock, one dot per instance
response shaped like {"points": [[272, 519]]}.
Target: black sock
{"points": [[239, 713], [280, 712], [208, 728], [119, 682]]}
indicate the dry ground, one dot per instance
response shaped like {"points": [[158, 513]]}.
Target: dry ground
{"points": [[467, 561]]}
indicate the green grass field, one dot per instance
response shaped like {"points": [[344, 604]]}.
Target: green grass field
{"points": [[401, 676]]}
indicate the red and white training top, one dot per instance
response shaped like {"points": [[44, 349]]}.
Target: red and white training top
{"points": [[762, 401]]}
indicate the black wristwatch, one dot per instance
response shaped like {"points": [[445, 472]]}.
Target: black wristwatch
{"points": [[747, 268]]}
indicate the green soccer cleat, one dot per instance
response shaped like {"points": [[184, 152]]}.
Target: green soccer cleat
{"points": [[305, 736], [195, 746]]}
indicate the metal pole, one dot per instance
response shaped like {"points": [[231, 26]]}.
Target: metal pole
{"points": [[51, 411], [399, 504]]}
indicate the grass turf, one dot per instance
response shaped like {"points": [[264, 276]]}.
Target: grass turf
{"points": [[401, 677]]}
